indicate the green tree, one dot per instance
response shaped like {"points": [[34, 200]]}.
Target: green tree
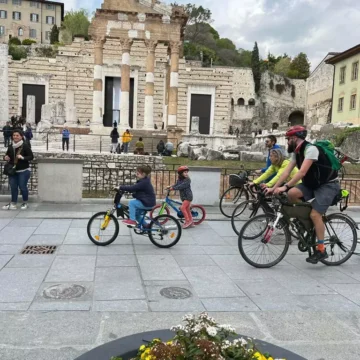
{"points": [[244, 58], [225, 43], [17, 52], [283, 66], [299, 67], [54, 35], [256, 67], [76, 22], [197, 15]]}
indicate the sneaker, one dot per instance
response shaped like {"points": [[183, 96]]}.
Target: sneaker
{"points": [[130, 223], [24, 206], [317, 256], [10, 206], [186, 225]]}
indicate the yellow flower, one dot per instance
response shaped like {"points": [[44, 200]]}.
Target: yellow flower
{"points": [[169, 343], [259, 356], [157, 340], [270, 358], [142, 347]]}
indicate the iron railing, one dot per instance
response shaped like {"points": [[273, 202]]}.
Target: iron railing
{"points": [[99, 179]]}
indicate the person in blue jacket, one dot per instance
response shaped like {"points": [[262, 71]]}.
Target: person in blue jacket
{"points": [[270, 144], [143, 193], [65, 138]]}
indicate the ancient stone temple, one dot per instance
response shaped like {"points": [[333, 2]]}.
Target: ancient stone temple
{"points": [[132, 72]]}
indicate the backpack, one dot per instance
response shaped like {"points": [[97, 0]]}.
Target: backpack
{"points": [[329, 150]]}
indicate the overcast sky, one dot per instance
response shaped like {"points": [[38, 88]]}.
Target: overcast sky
{"points": [[315, 27]]}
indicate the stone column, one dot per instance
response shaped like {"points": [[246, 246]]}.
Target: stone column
{"points": [[125, 81], [174, 83], [98, 83], [30, 109], [4, 85], [149, 90]]}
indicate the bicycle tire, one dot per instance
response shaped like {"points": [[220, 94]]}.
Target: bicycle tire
{"points": [[202, 209], [237, 212], [241, 192], [350, 222], [153, 213], [267, 218], [112, 239], [155, 221]]}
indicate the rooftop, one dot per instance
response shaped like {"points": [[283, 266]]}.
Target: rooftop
{"points": [[344, 55]]}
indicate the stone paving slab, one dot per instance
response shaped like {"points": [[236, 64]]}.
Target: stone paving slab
{"points": [[296, 305]]}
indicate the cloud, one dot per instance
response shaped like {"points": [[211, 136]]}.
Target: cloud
{"points": [[292, 26]]}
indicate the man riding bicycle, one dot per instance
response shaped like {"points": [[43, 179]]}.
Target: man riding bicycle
{"points": [[319, 181]]}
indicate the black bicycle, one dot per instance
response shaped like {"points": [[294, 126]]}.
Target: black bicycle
{"points": [[103, 228], [237, 192], [264, 240], [259, 204]]}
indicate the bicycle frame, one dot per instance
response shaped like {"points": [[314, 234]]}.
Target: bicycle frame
{"points": [[170, 202]]}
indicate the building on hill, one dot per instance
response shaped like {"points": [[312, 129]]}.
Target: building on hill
{"points": [[26, 19], [346, 91], [132, 71], [319, 87]]}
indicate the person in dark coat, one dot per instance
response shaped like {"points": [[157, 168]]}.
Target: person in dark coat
{"points": [[160, 147], [20, 155], [7, 132], [114, 140]]}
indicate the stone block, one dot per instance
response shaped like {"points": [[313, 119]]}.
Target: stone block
{"points": [[183, 149], [231, 156], [214, 155], [57, 173], [247, 156], [195, 152], [195, 125]]}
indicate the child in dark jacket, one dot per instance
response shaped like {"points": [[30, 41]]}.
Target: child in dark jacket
{"points": [[144, 195], [184, 185]]}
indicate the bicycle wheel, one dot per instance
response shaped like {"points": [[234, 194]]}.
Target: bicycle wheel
{"points": [[164, 236], [253, 246], [102, 231], [156, 212], [340, 239], [242, 213], [230, 198], [198, 214]]}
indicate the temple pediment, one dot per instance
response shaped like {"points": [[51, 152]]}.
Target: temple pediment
{"points": [[137, 6]]}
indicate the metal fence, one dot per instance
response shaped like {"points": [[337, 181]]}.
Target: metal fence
{"points": [[99, 179]]}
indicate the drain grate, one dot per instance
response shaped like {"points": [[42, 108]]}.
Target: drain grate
{"points": [[64, 292], [175, 293], [39, 249]]}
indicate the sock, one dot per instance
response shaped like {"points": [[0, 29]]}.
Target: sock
{"points": [[320, 245]]}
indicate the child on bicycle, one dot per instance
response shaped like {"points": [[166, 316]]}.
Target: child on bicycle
{"points": [[186, 195], [144, 194]]}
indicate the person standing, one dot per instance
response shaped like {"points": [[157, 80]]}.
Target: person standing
{"points": [[7, 131], [65, 138], [169, 148], [114, 140], [28, 134], [126, 138], [160, 147], [139, 146], [19, 155]]}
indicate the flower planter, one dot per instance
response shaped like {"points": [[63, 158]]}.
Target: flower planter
{"points": [[128, 346]]}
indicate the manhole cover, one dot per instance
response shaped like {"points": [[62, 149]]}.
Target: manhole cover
{"points": [[175, 293], [39, 249], [64, 292]]}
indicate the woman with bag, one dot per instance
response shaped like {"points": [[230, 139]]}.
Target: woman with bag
{"points": [[17, 168]]}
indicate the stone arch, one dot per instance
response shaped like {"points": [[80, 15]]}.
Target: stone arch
{"points": [[296, 118], [241, 101], [20, 31], [251, 102]]}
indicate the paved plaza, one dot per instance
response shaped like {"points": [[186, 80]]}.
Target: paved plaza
{"points": [[312, 310]]}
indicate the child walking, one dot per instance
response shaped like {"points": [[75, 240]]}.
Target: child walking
{"points": [[183, 184], [144, 194]]}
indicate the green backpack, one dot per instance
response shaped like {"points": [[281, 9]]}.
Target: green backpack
{"points": [[329, 150]]}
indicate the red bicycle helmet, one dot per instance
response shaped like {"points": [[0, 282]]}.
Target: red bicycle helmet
{"points": [[181, 169], [297, 130]]}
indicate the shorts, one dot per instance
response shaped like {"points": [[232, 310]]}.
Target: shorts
{"points": [[324, 195]]}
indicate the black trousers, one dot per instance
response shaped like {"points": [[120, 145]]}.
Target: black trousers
{"points": [[65, 141]]}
